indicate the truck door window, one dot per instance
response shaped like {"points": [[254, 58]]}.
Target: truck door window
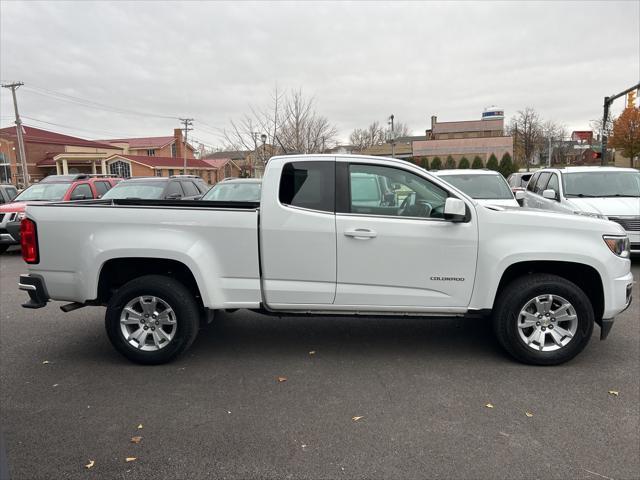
{"points": [[532, 183], [553, 183], [541, 184], [308, 185], [190, 189], [376, 190]]}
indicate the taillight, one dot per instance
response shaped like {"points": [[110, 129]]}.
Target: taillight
{"points": [[29, 241]]}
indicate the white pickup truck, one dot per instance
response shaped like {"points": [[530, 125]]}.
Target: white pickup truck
{"points": [[322, 241]]}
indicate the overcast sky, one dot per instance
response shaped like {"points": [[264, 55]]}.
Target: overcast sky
{"points": [[361, 61]]}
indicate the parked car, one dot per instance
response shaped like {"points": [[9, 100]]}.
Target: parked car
{"points": [[235, 190], [604, 192], [519, 180], [52, 188], [176, 187], [487, 187], [7, 193], [309, 247]]}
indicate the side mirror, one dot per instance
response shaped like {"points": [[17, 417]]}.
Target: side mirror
{"points": [[78, 196], [550, 194], [455, 210], [519, 194]]}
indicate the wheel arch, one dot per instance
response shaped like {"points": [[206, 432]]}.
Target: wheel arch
{"points": [[117, 271], [586, 277]]}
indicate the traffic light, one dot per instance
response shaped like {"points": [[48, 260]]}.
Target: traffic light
{"points": [[631, 99]]}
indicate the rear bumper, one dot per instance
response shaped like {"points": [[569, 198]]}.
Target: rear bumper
{"points": [[10, 234], [35, 287]]}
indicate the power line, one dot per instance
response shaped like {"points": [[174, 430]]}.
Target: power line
{"points": [[63, 97], [101, 132]]}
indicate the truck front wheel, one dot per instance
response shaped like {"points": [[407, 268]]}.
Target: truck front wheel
{"points": [[152, 319], [543, 319]]}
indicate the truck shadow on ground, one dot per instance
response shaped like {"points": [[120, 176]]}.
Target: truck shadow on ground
{"points": [[250, 333]]}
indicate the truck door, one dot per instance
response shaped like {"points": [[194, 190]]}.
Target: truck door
{"points": [[403, 258], [298, 232]]}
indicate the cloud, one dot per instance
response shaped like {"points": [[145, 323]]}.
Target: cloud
{"points": [[361, 61]]}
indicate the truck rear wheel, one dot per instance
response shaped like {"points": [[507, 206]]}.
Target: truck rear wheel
{"points": [[152, 319], [543, 319]]}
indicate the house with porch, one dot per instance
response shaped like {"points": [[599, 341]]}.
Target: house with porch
{"points": [[50, 153]]}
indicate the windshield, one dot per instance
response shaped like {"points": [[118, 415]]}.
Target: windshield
{"points": [[43, 191], [601, 184], [234, 192], [481, 187], [143, 190]]}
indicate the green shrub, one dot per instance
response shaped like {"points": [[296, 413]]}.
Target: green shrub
{"points": [[464, 163], [477, 163], [450, 163], [492, 164], [436, 163], [506, 167]]}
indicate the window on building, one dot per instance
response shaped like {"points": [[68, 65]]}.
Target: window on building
{"points": [[159, 172], [174, 150], [171, 172], [227, 170], [151, 152], [308, 185], [120, 169]]}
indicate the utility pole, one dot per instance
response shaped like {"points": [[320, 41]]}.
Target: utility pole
{"points": [[605, 118], [393, 137], [21, 150], [188, 122]]}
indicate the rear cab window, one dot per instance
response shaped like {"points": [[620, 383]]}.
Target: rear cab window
{"points": [[189, 188], [83, 189], [309, 185]]}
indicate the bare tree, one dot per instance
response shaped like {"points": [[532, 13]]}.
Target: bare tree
{"points": [[526, 129], [374, 134], [554, 134], [290, 124], [362, 138]]}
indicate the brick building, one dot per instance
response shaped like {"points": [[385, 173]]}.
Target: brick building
{"points": [[50, 152], [468, 138]]}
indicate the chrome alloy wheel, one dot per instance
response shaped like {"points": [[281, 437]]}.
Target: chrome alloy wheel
{"points": [[148, 323], [547, 323]]}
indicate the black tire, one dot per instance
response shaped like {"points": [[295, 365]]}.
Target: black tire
{"points": [[176, 295], [515, 296], [3, 248]]}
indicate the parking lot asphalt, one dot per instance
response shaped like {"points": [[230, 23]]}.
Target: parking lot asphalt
{"points": [[421, 388]]}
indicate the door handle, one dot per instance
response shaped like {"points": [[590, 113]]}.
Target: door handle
{"points": [[361, 233]]}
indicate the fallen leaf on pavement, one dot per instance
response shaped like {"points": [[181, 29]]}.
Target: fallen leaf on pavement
{"points": [[312, 352], [615, 393], [90, 464], [528, 414], [55, 385], [136, 439], [282, 379], [45, 362], [355, 419], [130, 459], [489, 405], [140, 427]]}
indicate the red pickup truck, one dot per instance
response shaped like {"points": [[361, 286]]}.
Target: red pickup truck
{"points": [[60, 188]]}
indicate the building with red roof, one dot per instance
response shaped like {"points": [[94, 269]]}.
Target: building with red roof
{"points": [[49, 152]]}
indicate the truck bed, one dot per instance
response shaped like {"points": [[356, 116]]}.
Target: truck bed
{"points": [[78, 238]]}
